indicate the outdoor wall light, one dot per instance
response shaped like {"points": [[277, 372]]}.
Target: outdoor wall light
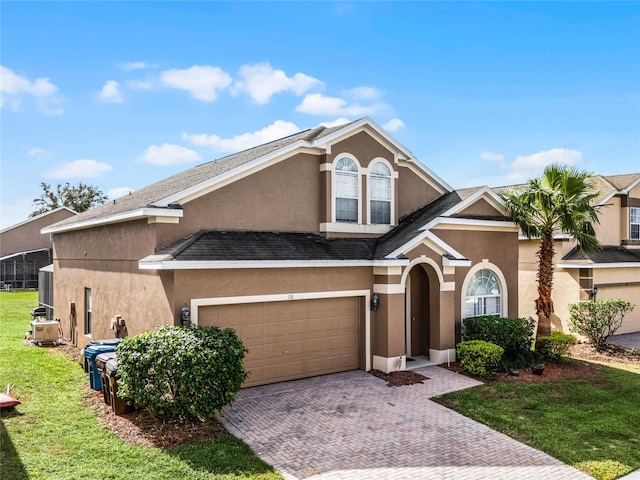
{"points": [[375, 301], [594, 292]]}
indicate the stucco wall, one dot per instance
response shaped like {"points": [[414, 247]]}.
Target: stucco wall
{"points": [[413, 192], [362, 146], [610, 230], [27, 236]]}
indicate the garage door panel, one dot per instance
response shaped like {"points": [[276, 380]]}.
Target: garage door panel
{"points": [[292, 339]]}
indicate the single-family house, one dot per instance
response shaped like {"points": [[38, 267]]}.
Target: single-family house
{"points": [[328, 250], [613, 272]]}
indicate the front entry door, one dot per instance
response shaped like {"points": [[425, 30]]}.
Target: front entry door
{"points": [[418, 312]]}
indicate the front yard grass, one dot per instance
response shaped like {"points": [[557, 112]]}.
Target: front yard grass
{"points": [[53, 435], [592, 424]]}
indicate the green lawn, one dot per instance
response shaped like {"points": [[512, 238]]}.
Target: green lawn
{"points": [[52, 435], [593, 424]]}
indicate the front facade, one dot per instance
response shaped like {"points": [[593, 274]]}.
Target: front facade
{"points": [[329, 250], [613, 272]]}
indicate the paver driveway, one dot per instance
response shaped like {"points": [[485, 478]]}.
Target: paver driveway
{"points": [[352, 426]]}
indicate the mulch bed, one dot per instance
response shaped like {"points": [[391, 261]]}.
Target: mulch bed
{"points": [[400, 378]]}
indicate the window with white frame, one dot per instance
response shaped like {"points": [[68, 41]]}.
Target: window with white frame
{"points": [[634, 224], [347, 190], [380, 192], [483, 295]]}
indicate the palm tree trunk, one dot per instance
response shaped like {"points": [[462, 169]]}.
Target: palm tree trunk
{"points": [[544, 304]]}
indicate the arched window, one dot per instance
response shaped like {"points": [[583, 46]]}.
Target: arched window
{"points": [[483, 295], [347, 190], [380, 192]]}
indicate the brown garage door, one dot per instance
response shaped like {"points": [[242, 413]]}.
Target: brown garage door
{"points": [[293, 339]]}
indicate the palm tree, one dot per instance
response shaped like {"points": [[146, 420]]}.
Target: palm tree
{"points": [[560, 201]]}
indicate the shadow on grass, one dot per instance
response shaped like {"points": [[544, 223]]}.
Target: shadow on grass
{"points": [[12, 467], [224, 455]]}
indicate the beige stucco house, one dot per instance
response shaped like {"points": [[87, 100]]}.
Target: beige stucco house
{"points": [[613, 272], [328, 250]]}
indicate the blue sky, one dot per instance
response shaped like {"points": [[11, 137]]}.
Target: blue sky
{"points": [[120, 95]]}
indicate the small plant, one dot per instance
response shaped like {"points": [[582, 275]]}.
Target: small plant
{"points": [[181, 371], [478, 357], [554, 346], [599, 319]]}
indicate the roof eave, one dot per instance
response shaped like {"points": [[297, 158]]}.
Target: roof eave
{"points": [[159, 214]]}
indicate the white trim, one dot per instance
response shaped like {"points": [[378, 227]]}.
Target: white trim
{"points": [[27, 252], [359, 177], [388, 288], [599, 265], [345, 227], [475, 224], [37, 217], [448, 287], [325, 167], [387, 270], [390, 364], [153, 264], [392, 202], [117, 218], [284, 297], [442, 356], [417, 261], [504, 293], [447, 262], [47, 268]]}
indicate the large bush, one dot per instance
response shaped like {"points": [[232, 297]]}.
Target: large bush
{"points": [[598, 319], [478, 357], [554, 346], [181, 371], [512, 334]]}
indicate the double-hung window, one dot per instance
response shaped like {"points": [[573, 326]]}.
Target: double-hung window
{"points": [[380, 191], [634, 223], [347, 190]]}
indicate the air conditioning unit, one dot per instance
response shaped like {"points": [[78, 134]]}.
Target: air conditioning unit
{"points": [[44, 331]]}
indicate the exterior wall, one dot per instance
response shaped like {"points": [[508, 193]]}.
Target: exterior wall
{"points": [[480, 208], [27, 236], [283, 197], [623, 283], [362, 146], [413, 192], [105, 259], [610, 230]]}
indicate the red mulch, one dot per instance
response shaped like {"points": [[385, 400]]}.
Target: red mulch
{"points": [[400, 378], [567, 368]]}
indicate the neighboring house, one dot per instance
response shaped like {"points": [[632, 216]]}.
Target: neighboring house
{"points": [[24, 250], [332, 249], [613, 272]]}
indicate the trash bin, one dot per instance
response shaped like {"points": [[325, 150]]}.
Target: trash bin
{"points": [[118, 405], [101, 360], [90, 354], [110, 341]]}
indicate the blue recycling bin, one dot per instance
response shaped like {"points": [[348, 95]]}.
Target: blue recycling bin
{"points": [[90, 354], [110, 341]]}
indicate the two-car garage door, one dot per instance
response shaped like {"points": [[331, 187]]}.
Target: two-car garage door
{"points": [[292, 339]]}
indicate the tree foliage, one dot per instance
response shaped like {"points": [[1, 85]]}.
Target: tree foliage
{"points": [[181, 371], [598, 319], [78, 198], [560, 201]]}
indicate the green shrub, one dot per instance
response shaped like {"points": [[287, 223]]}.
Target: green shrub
{"points": [[181, 371], [555, 346], [598, 319], [478, 357], [512, 334]]}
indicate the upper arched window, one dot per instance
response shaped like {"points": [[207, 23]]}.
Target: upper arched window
{"points": [[380, 193], [483, 296], [347, 190]]}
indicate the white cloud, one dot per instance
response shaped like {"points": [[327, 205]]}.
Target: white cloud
{"points": [[139, 84], [393, 125], [13, 87], [202, 82], [261, 82], [491, 156], [128, 66], [111, 92], [336, 123], [119, 192], [84, 168], [364, 93], [318, 104], [37, 151], [528, 165], [276, 130], [169, 154]]}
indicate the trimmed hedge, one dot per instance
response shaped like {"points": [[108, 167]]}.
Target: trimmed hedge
{"points": [[555, 346], [181, 371], [478, 357]]}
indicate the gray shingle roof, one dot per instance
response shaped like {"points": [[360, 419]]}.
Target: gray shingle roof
{"points": [[608, 254]]}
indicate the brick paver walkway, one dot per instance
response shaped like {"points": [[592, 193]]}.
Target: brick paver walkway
{"points": [[352, 426]]}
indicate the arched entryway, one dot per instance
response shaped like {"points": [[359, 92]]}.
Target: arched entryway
{"points": [[421, 309]]}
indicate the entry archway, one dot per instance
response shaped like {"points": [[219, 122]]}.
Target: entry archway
{"points": [[422, 309]]}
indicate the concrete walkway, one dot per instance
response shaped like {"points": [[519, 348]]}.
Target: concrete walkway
{"points": [[352, 426], [626, 340]]}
